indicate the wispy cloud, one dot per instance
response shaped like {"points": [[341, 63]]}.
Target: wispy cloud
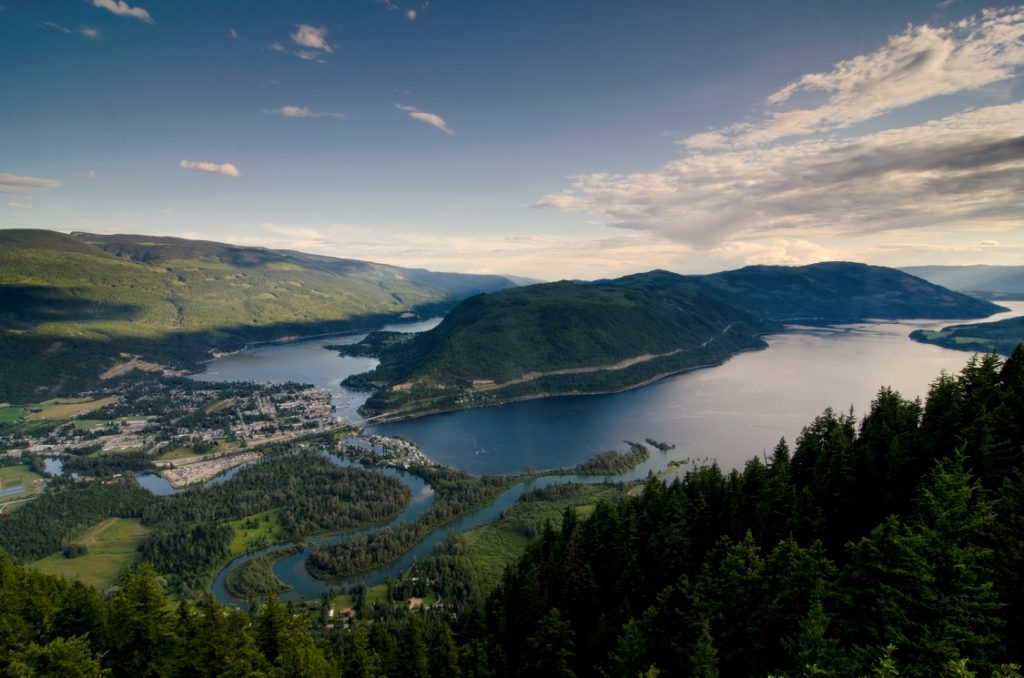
{"points": [[121, 8], [808, 184], [313, 40], [921, 63], [429, 118], [90, 33], [410, 14], [277, 47], [233, 34], [227, 169], [12, 183], [19, 205], [302, 112], [955, 171]]}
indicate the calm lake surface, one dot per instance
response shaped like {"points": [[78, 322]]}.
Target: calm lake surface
{"points": [[727, 413]]}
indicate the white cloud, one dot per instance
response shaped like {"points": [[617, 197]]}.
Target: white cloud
{"points": [[921, 63], [233, 34], [88, 174], [961, 171], [90, 33], [312, 37], [12, 183], [19, 205], [410, 14], [276, 47], [302, 112], [429, 118], [227, 169], [121, 8]]}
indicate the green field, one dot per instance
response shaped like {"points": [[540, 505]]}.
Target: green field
{"points": [[264, 529], [10, 414], [11, 476], [111, 545], [65, 408], [490, 548]]}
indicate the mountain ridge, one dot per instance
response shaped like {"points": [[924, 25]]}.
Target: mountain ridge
{"points": [[574, 337]]}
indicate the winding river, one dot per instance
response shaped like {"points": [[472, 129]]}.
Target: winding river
{"points": [[726, 414]]}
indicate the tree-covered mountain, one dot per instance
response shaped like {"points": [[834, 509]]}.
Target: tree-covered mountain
{"points": [[556, 338], [1001, 336], [837, 292], [70, 305], [592, 337], [995, 282]]}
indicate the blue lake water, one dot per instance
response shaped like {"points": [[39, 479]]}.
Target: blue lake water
{"points": [[726, 413]]}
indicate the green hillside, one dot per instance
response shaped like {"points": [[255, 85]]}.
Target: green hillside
{"points": [[1002, 336], [556, 338], [71, 305], [836, 292]]}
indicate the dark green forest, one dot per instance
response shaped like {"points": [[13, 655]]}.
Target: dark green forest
{"points": [[892, 545], [1001, 336]]}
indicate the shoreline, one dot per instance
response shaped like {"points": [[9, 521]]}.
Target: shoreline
{"points": [[394, 418]]}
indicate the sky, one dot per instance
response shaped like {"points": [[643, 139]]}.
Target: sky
{"points": [[547, 139]]}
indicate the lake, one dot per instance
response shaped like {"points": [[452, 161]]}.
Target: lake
{"points": [[726, 413]]}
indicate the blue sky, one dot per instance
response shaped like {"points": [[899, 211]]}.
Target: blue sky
{"points": [[546, 139]]}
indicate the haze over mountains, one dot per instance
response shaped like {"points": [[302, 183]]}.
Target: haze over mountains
{"points": [[996, 282]]}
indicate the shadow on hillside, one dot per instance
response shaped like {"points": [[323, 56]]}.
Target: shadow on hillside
{"points": [[25, 306], [39, 367]]}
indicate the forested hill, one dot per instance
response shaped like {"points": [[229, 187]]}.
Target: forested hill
{"points": [[890, 547], [577, 337], [70, 305], [836, 291], [556, 338], [1002, 336]]}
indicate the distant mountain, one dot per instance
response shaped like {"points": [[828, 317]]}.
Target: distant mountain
{"points": [[995, 282], [1002, 336], [836, 292], [579, 337], [71, 305]]}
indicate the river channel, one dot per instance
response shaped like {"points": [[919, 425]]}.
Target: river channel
{"points": [[725, 414]]}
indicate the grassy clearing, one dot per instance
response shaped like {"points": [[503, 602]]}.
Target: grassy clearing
{"points": [[490, 548], [65, 408], [10, 414], [17, 475], [255, 531], [176, 453], [111, 545], [21, 475], [377, 594]]}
